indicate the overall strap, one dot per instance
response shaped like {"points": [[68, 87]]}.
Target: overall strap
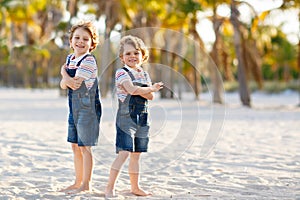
{"points": [[129, 73], [69, 60]]}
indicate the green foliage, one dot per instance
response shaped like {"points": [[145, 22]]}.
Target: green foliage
{"points": [[283, 49], [62, 26], [188, 6], [5, 3], [267, 72], [4, 53]]}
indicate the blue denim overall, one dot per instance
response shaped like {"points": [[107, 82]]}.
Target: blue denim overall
{"points": [[84, 113], [132, 122]]}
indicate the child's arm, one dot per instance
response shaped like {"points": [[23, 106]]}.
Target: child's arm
{"points": [[67, 81], [149, 96], [64, 81], [63, 84], [136, 90]]}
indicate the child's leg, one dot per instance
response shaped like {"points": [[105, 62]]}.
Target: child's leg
{"points": [[114, 173], [134, 170], [78, 165], [87, 169]]}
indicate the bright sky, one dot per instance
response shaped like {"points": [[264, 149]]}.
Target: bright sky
{"points": [[288, 19], [264, 5]]}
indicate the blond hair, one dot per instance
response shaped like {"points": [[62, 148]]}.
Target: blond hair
{"points": [[137, 43], [89, 27]]}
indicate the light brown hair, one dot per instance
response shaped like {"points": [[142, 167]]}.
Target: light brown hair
{"points": [[137, 43], [89, 27]]}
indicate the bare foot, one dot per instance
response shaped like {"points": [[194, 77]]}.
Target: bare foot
{"points": [[83, 188], [140, 192], [71, 187], [109, 193]]}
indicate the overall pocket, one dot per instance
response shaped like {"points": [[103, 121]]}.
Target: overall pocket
{"points": [[85, 101]]}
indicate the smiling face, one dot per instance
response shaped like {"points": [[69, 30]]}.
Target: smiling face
{"points": [[81, 42], [131, 56]]}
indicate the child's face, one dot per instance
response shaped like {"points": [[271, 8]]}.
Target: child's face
{"points": [[132, 57], [81, 42]]}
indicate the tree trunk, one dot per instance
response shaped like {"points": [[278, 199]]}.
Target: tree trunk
{"points": [[215, 79], [166, 70], [197, 50], [165, 75], [299, 63], [105, 66], [180, 63], [197, 80], [286, 71], [107, 61], [47, 73], [213, 69], [33, 77], [242, 78]]}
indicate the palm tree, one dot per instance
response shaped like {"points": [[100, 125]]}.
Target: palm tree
{"points": [[216, 55], [243, 85]]}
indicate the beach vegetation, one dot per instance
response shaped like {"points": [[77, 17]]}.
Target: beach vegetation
{"points": [[248, 49]]}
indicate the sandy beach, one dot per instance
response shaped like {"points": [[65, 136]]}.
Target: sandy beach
{"points": [[197, 151]]}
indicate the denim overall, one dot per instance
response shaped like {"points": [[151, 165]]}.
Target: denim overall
{"points": [[132, 122], [84, 112]]}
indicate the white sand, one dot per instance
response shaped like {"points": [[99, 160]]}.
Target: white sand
{"points": [[248, 153]]}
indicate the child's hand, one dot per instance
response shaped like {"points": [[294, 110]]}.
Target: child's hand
{"points": [[157, 86], [75, 83], [63, 69]]}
